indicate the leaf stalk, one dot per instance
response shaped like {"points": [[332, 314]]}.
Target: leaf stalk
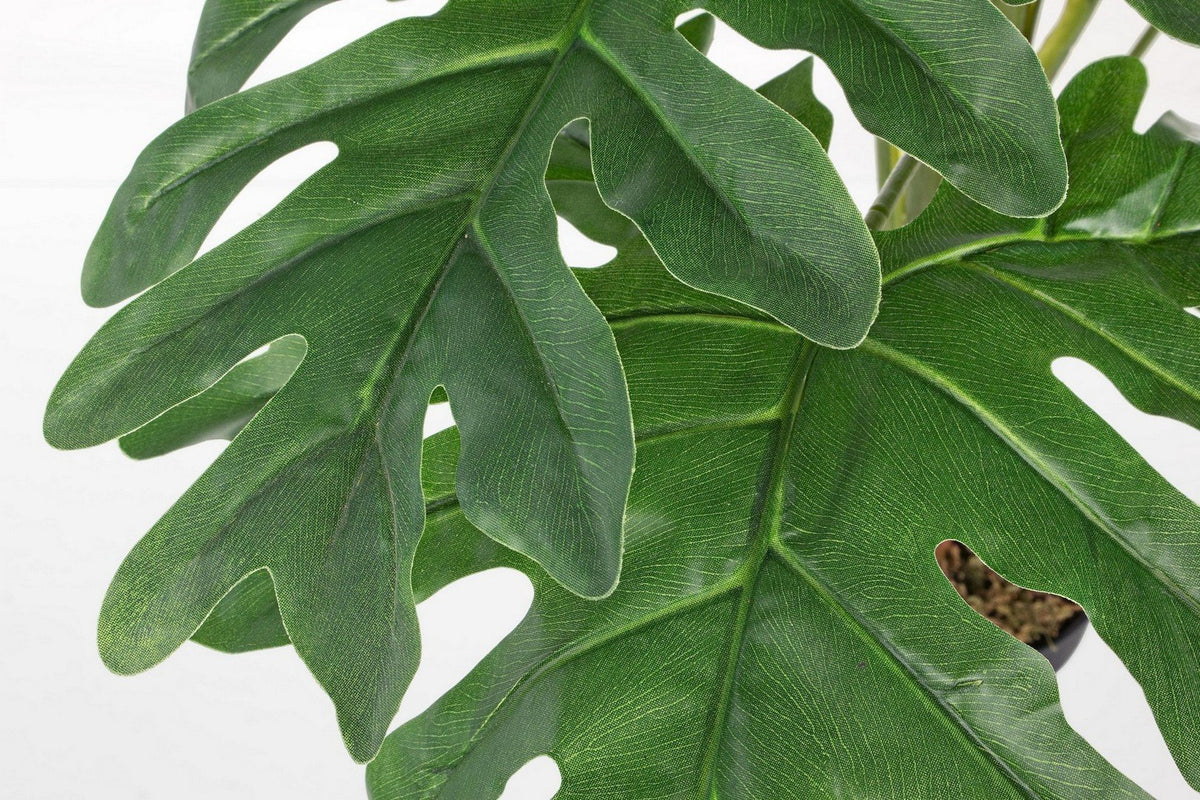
{"points": [[1144, 42], [1066, 32], [886, 156], [892, 189], [1024, 17]]}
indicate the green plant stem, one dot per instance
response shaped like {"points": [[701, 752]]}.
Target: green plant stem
{"points": [[892, 189], [918, 194], [886, 157], [1028, 25], [1066, 32], [1144, 42], [1024, 17]]}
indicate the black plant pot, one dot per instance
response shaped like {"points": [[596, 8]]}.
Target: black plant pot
{"points": [[1058, 650]]}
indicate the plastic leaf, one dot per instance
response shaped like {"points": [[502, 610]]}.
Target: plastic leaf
{"points": [[783, 629]]}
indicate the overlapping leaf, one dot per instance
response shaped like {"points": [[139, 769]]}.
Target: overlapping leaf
{"points": [[973, 107], [424, 255], [222, 410], [782, 628], [248, 617], [234, 37], [1178, 18]]}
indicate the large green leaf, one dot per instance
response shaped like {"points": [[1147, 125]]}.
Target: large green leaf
{"points": [[973, 107], [234, 37], [782, 629], [1179, 18], [424, 255], [247, 618], [223, 409]]}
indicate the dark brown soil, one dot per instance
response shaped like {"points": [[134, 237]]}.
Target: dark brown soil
{"points": [[1035, 618]]}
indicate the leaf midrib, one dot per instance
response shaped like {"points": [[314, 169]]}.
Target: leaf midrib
{"points": [[766, 541], [1083, 320], [868, 634], [765, 531], [1028, 453], [529, 53], [1039, 233]]}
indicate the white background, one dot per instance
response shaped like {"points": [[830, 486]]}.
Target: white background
{"points": [[84, 85]]}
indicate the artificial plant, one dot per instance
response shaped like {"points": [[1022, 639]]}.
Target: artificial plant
{"points": [[760, 614]]}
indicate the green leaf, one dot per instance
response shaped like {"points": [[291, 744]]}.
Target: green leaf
{"points": [[977, 109], [424, 255], [1178, 18], [782, 628], [792, 91], [234, 37], [222, 410], [248, 618], [700, 31]]}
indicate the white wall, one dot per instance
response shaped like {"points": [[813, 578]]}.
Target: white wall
{"points": [[83, 86]]}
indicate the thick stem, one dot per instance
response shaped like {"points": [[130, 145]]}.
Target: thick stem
{"points": [[881, 209], [1144, 42], [885, 159], [1023, 17], [1028, 25], [917, 195], [1066, 32]]}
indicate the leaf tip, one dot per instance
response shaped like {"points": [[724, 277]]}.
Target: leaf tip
{"points": [[700, 31], [96, 288], [596, 584], [362, 738], [116, 655], [57, 429], [133, 447]]}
